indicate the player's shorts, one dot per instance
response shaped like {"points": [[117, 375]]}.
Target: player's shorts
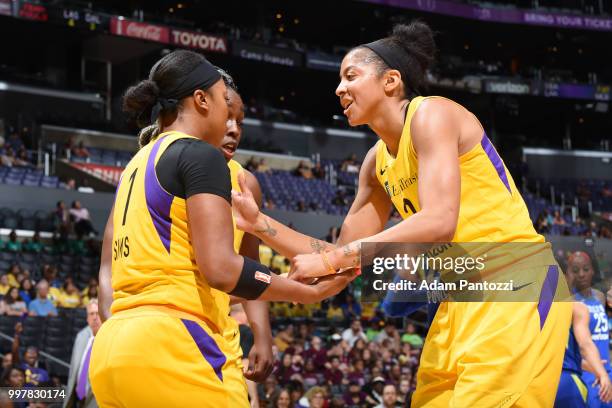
{"points": [[593, 400], [495, 354], [572, 392], [154, 356]]}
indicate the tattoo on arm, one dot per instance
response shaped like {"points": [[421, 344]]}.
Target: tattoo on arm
{"points": [[317, 246], [267, 230], [348, 251]]}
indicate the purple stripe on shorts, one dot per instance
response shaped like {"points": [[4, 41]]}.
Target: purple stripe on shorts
{"points": [[207, 346], [159, 201], [548, 293], [495, 160]]}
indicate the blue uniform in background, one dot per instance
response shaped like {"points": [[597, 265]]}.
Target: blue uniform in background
{"points": [[572, 392], [598, 326]]}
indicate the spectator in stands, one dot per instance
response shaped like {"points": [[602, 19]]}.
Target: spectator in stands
{"points": [[34, 245], [26, 291], [541, 224], [303, 170], [404, 390], [284, 337], [333, 374], [350, 164], [70, 184], [7, 157], [334, 311], [4, 284], [269, 390], [606, 191], [7, 361], [42, 306], [282, 399], [34, 375], [69, 297], [604, 232], [12, 274], [558, 220], [262, 167], [354, 397], [351, 308], [12, 304], [22, 158], [389, 397], [80, 151], [318, 171], [374, 391], [592, 231], [353, 333], [78, 387], [340, 199], [251, 164], [82, 220], [61, 214], [90, 291], [296, 391], [389, 333], [13, 377], [314, 398], [13, 245], [50, 275], [412, 337]]}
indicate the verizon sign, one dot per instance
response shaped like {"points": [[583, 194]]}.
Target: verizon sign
{"points": [[143, 31], [200, 41]]}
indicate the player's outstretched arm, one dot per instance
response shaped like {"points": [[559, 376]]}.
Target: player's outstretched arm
{"points": [[105, 288], [588, 350], [368, 215], [211, 230], [436, 141]]}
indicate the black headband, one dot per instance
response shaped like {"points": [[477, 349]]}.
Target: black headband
{"points": [[395, 57], [203, 77]]}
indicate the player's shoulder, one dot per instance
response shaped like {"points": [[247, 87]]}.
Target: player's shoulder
{"points": [[580, 310]]}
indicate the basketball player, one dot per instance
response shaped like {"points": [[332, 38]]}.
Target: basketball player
{"points": [[580, 274], [260, 361], [169, 243], [437, 166]]}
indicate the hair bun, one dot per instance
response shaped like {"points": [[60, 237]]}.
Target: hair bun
{"points": [[139, 99], [416, 38]]}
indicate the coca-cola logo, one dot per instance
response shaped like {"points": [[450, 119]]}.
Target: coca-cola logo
{"points": [[139, 30], [33, 12], [146, 32], [197, 40]]}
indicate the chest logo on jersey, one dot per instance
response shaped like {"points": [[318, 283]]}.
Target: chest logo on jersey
{"points": [[404, 183]]}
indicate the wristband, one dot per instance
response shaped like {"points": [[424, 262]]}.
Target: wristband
{"points": [[327, 264]]}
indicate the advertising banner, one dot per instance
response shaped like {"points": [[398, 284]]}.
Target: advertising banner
{"points": [[143, 31], [270, 55], [200, 41], [512, 16]]}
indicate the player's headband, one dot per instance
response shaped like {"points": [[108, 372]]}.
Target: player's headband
{"points": [[395, 57], [202, 77]]}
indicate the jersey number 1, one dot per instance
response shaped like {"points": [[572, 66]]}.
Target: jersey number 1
{"points": [[127, 203]]}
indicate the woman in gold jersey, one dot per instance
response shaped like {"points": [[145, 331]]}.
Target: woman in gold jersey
{"points": [[168, 253], [435, 164]]}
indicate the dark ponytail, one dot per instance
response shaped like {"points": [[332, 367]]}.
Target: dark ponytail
{"points": [[410, 49], [166, 75]]}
